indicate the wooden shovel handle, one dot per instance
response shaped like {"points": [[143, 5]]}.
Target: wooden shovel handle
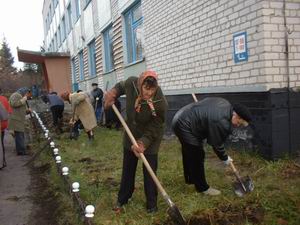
{"points": [[237, 175], [194, 97], [148, 167]]}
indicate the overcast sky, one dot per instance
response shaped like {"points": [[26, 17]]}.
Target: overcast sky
{"points": [[21, 23]]}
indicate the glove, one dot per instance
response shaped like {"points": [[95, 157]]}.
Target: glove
{"points": [[228, 161], [97, 99], [109, 98]]}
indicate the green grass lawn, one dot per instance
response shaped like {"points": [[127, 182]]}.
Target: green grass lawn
{"points": [[98, 167]]}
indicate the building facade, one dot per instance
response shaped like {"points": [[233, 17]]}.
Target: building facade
{"points": [[245, 51]]}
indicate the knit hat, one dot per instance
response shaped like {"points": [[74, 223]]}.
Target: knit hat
{"points": [[23, 90], [243, 112]]}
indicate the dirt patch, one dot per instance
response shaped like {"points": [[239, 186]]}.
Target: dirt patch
{"points": [[87, 160], [291, 171], [226, 215], [43, 197]]}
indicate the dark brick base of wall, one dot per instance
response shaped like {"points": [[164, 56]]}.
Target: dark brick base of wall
{"points": [[276, 127], [275, 132]]}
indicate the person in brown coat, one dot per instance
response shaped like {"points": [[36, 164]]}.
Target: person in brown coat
{"points": [[83, 111]]}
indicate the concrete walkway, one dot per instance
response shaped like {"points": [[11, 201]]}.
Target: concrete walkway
{"points": [[15, 203]]}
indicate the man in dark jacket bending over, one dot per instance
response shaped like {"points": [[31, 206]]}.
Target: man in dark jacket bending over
{"points": [[211, 119]]}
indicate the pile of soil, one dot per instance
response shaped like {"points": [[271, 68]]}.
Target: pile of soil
{"points": [[226, 215]]}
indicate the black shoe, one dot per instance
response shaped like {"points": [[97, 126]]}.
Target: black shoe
{"points": [[152, 210]]}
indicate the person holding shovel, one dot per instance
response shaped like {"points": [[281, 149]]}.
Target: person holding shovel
{"points": [[211, 119], [16, 121], [145, 109], [82, 110]]}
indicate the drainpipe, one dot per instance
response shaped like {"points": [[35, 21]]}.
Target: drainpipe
{"points": [[286, 52]]}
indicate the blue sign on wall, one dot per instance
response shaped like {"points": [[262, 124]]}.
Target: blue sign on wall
{"points": [[240, 47]]}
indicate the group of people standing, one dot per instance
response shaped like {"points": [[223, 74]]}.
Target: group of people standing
{"points": [[210, 119]]}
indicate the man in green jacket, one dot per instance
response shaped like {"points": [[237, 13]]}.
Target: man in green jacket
{"points": [[145, 108], [16, 121]]}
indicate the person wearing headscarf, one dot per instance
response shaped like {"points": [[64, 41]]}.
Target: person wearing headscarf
{"points": [[211, 119], [83, 111], [145, 109], [16, 121]]}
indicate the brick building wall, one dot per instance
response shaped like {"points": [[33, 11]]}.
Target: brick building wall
{"points": [[189, 43]]}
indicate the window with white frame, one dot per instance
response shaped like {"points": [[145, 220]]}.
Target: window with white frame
{"points": [[78, 8], [58, 37], [86, 2], [63, 29], [92, 58], [70, 24], [108, 49], [134, 33], [81, 66]]}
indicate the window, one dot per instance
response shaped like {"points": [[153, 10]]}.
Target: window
{"points": [[63, 29], [55, 42], [78, 8], [58, 37], [134, 33], [70, 24], [86, 2], [92, 58], [74, 81], [81, 69], [108, 49]]}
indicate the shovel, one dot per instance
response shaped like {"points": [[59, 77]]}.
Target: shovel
{"points": [[173, 210], [243, 185]]}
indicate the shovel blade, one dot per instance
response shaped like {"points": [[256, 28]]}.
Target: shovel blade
{"points": [[239, 189], [176, 216]]}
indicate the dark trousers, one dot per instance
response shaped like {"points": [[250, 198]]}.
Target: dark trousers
{"points": [[128, 178], [57, 113], [20, 142], [2, 139], [193, 166], [3, 150]]}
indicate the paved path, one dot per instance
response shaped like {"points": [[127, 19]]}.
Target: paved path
{"points": [[15, 202]]}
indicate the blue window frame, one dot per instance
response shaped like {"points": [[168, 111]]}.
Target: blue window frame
{"points": [[81, 66], [74, 81], [92, 58], [63, 29], [70, 24], [108, 49], [134, 33], [78, 8]]}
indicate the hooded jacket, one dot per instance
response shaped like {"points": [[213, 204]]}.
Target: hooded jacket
{"points": [[207, 119], [144, 125]]}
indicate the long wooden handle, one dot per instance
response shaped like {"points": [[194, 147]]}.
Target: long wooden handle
{"points": [[194, 97], [237, 175], [148, 167]]}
